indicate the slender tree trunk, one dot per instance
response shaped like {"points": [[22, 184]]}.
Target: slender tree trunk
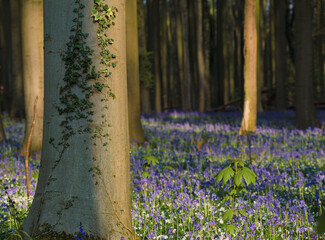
{"points": [[33, 72], [5, 54], [250, 80], [280, 54], [144, 88], [17, 102], [164, 54], [206, 47], [259, 72], [132, 62], [2, 131], [213, 55], [220, 57], [200, 57], [84, 178], [319, 53], [186, 55], [156, 39], [180, 58], [305, 108]]}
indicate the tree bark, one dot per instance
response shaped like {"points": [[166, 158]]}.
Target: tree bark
{"points": [[2, 131], [144, 89], [220, 57], [164, 53], [83, 179], [33, 72], [17, 102], [305, 108], [259, 72], [250, 81], [280, 54], [186, 55], [200, 58], [5, 55], [132, 62]]}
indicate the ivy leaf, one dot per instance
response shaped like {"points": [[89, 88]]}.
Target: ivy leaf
{"points": [[230, 228], [98, 2], [106, 7]]}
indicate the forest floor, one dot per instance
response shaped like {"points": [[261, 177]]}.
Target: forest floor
{"points": [[175, 194]]}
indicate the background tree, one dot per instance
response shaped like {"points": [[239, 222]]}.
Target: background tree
{"points": [[2, 131], [33, 69], [200, 58], [250, 81], [132, 58], [280, 7], [17, 102], [305, 108], [89, 184]]}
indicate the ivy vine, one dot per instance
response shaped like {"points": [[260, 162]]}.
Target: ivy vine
{"points": [[82, 80]]}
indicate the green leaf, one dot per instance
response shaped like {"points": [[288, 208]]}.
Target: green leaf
{"points": [[238, 179], [105, 7], [145, 174], [230, 228], [151, 160], [243, 213], [228, 214], [98, 2], [249, 176], [233, 192], [225, 174]]}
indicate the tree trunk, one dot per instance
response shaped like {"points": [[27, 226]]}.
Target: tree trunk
{"points": [[164, 53], [2, 131], [132, 62], [180, 58], [5, 55], [280, 54], [144, 88], [17, 102], [305, 108], [156, 40], [259, 72], [33, 72], [85, 169], [186, 55], [250, 81], [319, 53], [220, 57], [200, 57]]}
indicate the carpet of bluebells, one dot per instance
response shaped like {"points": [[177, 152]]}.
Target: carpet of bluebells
{"points": [[180, 199]]}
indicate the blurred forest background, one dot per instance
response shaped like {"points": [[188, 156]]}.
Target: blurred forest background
{"points": [[172, 37]]}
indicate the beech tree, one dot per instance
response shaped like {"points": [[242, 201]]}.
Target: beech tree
{"points": [[305, 108], [17, 102], [132, 58], [33, 69], [250, 81], [85, 170]]}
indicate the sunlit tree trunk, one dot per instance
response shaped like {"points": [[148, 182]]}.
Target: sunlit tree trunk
{"points": [[280, 53], [33, 72], [250, 81], [132, 58], [305, 108], [17, 101], [83, 180]]}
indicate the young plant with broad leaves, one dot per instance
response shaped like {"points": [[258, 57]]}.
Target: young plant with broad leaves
{"points": [[235, 172]]}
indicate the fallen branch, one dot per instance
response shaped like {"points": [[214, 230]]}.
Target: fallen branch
{"points": [[27, 149]]}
